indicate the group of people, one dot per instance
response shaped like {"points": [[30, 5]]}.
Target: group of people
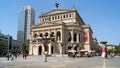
{"points": [[24, 55], [11, 56]]}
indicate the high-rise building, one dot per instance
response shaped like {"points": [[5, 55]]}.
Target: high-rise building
{"points": [[26, 19]]}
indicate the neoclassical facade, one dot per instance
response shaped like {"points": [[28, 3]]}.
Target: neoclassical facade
{"points": [[65, 28]]}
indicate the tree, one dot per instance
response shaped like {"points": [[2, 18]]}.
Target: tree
{"points": [[98, 49], [117, 49], [25, 46], [110, 51]]}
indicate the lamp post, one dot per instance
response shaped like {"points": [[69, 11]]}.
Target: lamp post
{"points": [[45, 42]]}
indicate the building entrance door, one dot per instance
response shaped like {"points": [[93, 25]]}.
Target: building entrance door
{"points": [[40, 50], [52, 49]]}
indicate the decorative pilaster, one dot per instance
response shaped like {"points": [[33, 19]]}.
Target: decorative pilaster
{"points": [[49, 46], [77, 37]]}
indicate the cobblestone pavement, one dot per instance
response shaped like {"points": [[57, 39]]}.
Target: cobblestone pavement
{"points": [[60, 62]]}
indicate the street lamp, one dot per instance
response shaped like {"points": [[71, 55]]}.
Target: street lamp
{"points": [[45, 42]]}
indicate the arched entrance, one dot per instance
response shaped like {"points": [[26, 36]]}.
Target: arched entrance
{"points": [[40, 50], [52, 49]]}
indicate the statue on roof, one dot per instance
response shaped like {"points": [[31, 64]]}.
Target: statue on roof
{"points": [[56, 5]]}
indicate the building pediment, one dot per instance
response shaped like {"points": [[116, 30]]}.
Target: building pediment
{"points": [[57, 11]]}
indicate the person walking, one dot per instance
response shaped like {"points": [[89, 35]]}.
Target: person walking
{"points": [[12, 57], [8, 56]]}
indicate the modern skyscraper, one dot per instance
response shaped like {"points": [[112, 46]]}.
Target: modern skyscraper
{"points": [[26, 19]]}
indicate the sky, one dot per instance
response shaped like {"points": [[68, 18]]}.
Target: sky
{"points": [[102, 15]]}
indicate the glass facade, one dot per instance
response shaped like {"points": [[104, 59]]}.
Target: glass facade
{"points": [[21, 26], [25, 21]]}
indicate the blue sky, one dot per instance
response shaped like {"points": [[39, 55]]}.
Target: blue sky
{"points": [[102, 15]]}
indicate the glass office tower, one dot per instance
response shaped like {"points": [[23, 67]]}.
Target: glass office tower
{"points": [[26, 19]]}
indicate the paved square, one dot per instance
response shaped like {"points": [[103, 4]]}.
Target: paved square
{"points": [[60, 62]]}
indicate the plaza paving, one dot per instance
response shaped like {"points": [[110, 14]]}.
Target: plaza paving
{"points": [[60, 62]]}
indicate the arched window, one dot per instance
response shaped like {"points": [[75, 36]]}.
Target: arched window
{"points": [[46, 34], [35, 35], [75, 35], [66, 15], [63, 16], [70, 15], [69, 36], [52, 34], [41, 35], [58, 17], [52, 18], [58, 35]]}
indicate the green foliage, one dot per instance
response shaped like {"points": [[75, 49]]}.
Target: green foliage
{"points": [[98, 49], [117, 50], [110, 51], [25, 46]]}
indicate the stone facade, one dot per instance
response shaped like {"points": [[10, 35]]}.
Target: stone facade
{"points": [[66, 29]]}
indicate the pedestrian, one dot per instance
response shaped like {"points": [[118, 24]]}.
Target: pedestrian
{"points": [[15, 56], [12, 57], [23, 55], [8, 56]]}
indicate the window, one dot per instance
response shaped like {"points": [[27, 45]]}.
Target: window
{"points": [[49, 18], [70, 15], [35, 35], [63, 16], [41, 35], [46, 34], [75, 37], [58, 35], [43, 20], [55, 17], [67, 16], [69, 37], [52, 34], [52, 18], [58, 17]]}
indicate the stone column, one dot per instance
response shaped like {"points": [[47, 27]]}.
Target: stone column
{"points": [[43, 49], [77, 37], [55, 35], [60, 47], [49, 48], [61, 32], [30, 50]]}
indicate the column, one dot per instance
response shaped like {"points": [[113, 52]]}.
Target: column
{"points": [[61, 32], [60, 47], [30, 50], [55, 35], [49, 46], [43, 49], [77, 37]]}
